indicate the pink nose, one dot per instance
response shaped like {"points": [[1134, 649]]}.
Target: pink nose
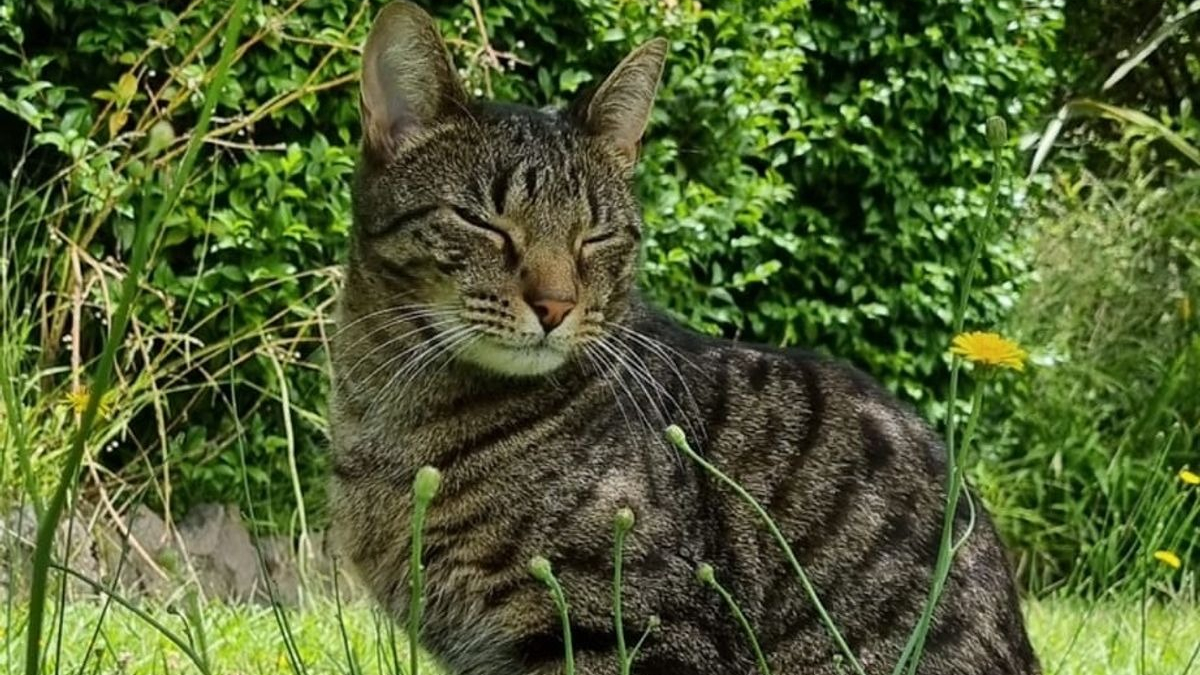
{"points": [[551, 312]]}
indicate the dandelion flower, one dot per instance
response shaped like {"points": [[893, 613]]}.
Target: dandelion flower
{"points": [[79, 397], [989, 349], [1169, 559], [1189, 477]]}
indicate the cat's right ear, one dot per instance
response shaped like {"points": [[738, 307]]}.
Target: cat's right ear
{"points": [[619, 110], [408, 79]]}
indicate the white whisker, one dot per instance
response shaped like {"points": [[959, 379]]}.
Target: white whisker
{"points": [[408, 307], [595, 361], [423, 353], [689, 415], [617, 360], [391, 342]]}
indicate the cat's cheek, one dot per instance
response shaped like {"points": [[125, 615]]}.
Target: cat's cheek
{"points": [[610, 281]]}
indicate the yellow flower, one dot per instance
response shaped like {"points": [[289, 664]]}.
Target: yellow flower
{"points": [[78, 399], [1189, 477], [1169, 559], [989, 349]]}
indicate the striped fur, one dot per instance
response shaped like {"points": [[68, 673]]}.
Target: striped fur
{"points": [[461, 212]]}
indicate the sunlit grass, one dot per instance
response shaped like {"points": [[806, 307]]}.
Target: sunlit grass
{"points": [[1073, 637], [1077, 638], [242, 639]]}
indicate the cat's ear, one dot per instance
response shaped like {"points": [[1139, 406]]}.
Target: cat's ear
{"points": [[619, 109], [408, 79]]}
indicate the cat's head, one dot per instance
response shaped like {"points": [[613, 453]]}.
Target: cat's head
{"points": [[512, 232]]}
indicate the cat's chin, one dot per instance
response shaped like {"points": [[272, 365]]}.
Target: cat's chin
{"points": [[524, 361]]}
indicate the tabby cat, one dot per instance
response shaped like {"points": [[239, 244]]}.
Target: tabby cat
{"points": [[489, 326]]}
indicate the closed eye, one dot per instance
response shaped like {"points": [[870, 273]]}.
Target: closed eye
{"points": [[482, 223], [403, 220], [599, 238]]}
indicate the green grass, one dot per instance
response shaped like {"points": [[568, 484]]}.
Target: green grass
{"points": [[1075, 638], [242, 639]]}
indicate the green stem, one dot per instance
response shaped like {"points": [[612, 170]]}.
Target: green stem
{"points": [[295, 660], [540, 568], [676, 436], [129, 288], [415, 593], [707, 576], [195, 625], [622, 523], [946, 547], [651, 625], [964, 292], [1191, 660], [183, 644], [1142, 632], [912, 649], [425, 487], [108, 600]]}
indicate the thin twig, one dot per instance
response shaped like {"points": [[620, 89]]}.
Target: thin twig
{"points": [[491, 61]]}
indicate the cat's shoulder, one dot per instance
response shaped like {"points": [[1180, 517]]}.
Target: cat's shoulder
{"points": [[836, 377]]}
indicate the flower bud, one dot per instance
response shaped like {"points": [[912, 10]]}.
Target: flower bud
{"points": [[624, 520], [705, 574], [997, 132], [540, 569], [676, 436], [426, 484], [653, 622]]}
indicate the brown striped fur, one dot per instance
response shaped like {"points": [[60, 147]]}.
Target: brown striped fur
{"points": [[470, 216]]}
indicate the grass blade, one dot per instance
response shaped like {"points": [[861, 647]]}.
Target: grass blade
{"points": [[182, 643], [1144, 50], [676, 437], [144, 236]]}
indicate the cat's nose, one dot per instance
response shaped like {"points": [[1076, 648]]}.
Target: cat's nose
{"points": [[550, 311]]}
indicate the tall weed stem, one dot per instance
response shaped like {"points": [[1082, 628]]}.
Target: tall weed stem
{"points": [[946, 548], [651, 625], [911, 656], [541, 570], [425, 487], [676, 436], [143, 239], [622, 523], [707, 576]]}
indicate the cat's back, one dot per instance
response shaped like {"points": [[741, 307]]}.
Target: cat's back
{"points": [[856, 481], [785, 402]]}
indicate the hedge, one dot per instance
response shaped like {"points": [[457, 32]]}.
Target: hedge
{"points": [[808, 176]]}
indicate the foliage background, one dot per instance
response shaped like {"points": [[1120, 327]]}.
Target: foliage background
{"points": [[809, 174]]}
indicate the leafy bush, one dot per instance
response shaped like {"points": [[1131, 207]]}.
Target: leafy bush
{"points": [[807, 171], [1084, 472]]}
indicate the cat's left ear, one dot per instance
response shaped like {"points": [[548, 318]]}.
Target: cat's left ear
{"points": [[618, 110]]}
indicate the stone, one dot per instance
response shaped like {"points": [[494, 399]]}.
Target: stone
{"points": [[211, 547], [151, 562], [19, 537], [218, 548]]}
